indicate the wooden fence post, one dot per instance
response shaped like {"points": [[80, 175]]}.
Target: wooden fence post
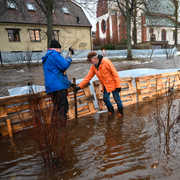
{"points": [[9, 127], [99, 94], [138, 87], [3, 113]]}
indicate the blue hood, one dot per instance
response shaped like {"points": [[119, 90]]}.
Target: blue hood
{"points": [[46, 55]]}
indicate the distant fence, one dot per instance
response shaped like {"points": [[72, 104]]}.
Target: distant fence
{"points": [[147, 87], [81, 55]]}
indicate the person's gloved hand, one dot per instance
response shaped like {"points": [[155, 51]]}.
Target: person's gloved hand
{"points": [[118, 89], [77, 88], [73, 85], [71, 50]]}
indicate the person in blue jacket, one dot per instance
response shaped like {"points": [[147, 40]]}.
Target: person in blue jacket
{"points": [[56, 81]]}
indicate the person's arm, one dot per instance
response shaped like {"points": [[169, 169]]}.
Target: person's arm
{"points": [[89, 76], [69, 55], [61, 62]]}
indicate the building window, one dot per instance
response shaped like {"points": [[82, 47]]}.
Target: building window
{"points": [[34, 35], [13, 34], [93, 35], [56, 35], [152, 37], [78, 20], [30, 7], [163, 35], [65, 10], [151, 30], [103, 26], [11, 5]]}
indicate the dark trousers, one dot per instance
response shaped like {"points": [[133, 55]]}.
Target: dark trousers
{"points": [[106, 98], [60, 101]]}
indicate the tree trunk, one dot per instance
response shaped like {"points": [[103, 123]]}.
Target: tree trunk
{"points": [[135, 28], [176, 22], [49, 6], [129, 54]]}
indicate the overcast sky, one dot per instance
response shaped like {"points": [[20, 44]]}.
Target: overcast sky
{"points": [[92, 20], [91, 14]]}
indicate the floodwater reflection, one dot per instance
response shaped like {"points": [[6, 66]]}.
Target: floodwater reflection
{"points": [[100, 146]]}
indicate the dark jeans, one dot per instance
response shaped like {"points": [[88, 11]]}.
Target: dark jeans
{"points": [[116, 98], [60, 101]]}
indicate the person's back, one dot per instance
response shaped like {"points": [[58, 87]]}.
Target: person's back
{"points": [[56, 81], [54, 66]]}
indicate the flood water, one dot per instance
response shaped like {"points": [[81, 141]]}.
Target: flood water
{"points": [[11, 78], [100, 146]]}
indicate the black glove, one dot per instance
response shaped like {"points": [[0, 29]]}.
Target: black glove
{"points": [[71, 49], [77, 88], [73, 85], [118, 89]]}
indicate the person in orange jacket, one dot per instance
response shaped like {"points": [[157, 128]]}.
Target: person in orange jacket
{"points": [[109, 78]]}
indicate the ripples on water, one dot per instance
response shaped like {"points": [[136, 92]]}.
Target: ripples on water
{"points": [[99, 147]]}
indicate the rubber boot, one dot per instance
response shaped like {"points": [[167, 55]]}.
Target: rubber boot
{"points": [[120, 111], [111, 110]]}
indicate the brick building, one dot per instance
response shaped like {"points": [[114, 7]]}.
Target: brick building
{"points": [[159, 26]]}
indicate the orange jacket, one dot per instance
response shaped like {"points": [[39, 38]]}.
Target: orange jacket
{"points": [[107, 75]]}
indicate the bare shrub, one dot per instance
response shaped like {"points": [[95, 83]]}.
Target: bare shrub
{"points": [[168, 113], [47, 130]]}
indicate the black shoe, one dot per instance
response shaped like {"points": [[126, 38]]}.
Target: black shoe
{"points": [[120, 111], [111, 110]]}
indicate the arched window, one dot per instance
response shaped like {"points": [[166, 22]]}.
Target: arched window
{"points": [[151, 30], [152, 37], [163, 35], [103, 26]]}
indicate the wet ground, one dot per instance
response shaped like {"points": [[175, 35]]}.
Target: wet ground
{"points": [[11, 78], [100, 146]]}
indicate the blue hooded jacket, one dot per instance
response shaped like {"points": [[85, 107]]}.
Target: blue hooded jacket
{"points": [[54, 65]]}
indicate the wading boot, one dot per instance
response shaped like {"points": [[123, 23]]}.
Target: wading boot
{"points": [[120, 111], [111, 110]]}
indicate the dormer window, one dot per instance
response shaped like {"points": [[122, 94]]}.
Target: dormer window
{"points": [[30, 7], [65, 10], [78, 20], [11, 5]]}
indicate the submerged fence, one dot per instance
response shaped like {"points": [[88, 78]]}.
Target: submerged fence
{"points": [[147, 87]]}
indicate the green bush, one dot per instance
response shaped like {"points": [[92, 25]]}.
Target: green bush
{"points": [[108, 47], [123, 41]]}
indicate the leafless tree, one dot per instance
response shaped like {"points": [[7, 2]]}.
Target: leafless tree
{"points": [[129, 10], [176, 4]]}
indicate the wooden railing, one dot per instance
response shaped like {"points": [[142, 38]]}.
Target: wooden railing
{"points": [[152, 85], [15, 108], [12, 108], [127, 93]]}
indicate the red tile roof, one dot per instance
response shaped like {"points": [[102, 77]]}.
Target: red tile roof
{"points": [[23, 15]]}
